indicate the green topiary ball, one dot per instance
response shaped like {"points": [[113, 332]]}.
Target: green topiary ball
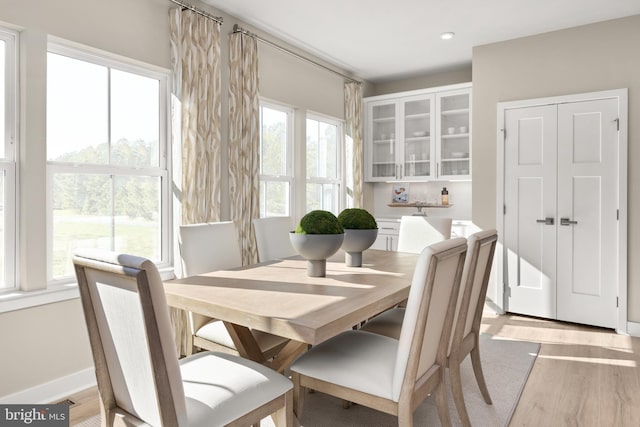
{"points": [[357, 219], [319, 222]]}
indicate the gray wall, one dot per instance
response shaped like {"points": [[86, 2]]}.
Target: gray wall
{"points": [[47, 342], [589, 58], [443, 78]]}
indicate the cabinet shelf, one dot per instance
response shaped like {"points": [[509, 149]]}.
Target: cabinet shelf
{"points": [[455, 112], [417, 138], [455, 136], [456, 159], [383, 141], [383, 119], [418, 116]]}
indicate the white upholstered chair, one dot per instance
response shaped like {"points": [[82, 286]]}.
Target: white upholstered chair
{"points": [[272, 237], [468, 316], [391, 375], [140, 380], [208, 247], [416, 232]]}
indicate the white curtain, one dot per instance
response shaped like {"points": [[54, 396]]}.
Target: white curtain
{"points": [[195, 56], [244, 140], [353, 131], [196, 117]]}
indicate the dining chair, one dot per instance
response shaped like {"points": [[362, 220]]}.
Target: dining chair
{"points": [[468, 316], [208, 247], [394, 375], [272, 237], [140, 380], [416, 232]]}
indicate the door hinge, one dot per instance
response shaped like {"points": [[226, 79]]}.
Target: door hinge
{"points": [[617, 302], [504, 133], [617, 123]]}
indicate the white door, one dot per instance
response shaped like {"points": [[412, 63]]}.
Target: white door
{"points": [[561, 200], [530, 210], [587, 212]]}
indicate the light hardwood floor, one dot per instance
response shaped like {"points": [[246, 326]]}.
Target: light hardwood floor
{"points": [[582, 377]]}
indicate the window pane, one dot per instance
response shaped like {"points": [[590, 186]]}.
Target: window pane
{"points": [[81, 217], [77, 110], [3, 126], [273, 148], [85, 214], [328, 150], [322, 196], [134, 119], [274, 198], [312, 149], [136, 216], [3, 206]]}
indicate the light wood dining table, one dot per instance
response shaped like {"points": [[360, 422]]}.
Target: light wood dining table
{"points": [[279, 298]]}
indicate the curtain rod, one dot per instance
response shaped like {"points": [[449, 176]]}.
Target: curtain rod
{"points": [[238, 29], [218, 19]]}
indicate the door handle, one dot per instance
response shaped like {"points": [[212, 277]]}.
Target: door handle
{"points": [[547, 221], [566, 221]]}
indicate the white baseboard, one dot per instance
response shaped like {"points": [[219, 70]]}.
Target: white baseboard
{"points": [[53, 391], [633, 329]]}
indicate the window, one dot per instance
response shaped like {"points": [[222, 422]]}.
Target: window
{"points": [[106, 159], [324, 164], [276, 158], [8, 137]]}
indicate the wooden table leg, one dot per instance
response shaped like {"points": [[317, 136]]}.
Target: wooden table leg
{"points": [[288, 354], [245, 342]]}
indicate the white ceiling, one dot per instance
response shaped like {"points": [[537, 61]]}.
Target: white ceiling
{"points": [[383, 40]]}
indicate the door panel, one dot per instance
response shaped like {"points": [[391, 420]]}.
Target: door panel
{"points": [[587, 185], [530, 198]]}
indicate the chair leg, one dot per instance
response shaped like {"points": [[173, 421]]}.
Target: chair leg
{"points": [[405, 415], [298, 395], [283, 417], [441, 403], [456, 389], [477, 370]]}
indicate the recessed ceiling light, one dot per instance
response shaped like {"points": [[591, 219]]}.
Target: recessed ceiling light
{"points": [[447, 36]]}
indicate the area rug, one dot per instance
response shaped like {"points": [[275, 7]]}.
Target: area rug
{"points": [[506, 365]]}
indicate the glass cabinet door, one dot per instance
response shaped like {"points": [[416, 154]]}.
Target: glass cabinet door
{"points": [[417, 145], [455, 133], [383, 141]]}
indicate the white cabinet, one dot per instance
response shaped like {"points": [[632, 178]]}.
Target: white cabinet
{"points": [[387, 235], [419, 136]]}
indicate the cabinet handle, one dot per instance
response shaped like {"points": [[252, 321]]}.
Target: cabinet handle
{"points": [[437, 169], [566, 221], [549, 221]]}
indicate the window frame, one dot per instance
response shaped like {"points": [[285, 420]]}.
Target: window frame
{"points": [[340, 172], [163, 170], [8, 163], [289, 177]]}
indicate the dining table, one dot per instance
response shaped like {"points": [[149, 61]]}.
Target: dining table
{"points": [[279, 297]]}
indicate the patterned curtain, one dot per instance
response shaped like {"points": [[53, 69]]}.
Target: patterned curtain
{"points": [[195, 56], [196, 117], [353, 118], [244, 140]]}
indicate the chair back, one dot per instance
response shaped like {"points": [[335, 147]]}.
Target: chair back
{"points": [[127, 318], [272, 237], [481, 247], [428, 319], [208, 247], [417, 232]]}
